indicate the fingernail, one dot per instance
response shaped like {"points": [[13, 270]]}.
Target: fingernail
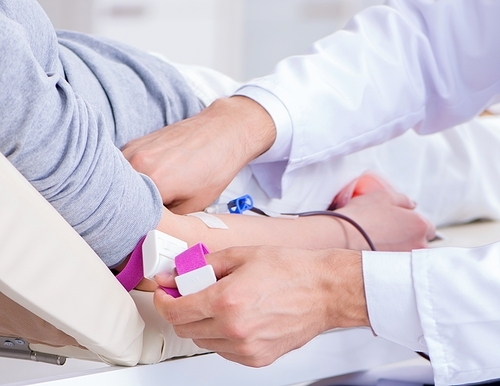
{"points": [[163, 276], [414, 204]]}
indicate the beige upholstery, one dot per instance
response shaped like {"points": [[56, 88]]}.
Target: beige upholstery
{"points": [[55, 286], [18, 321]]}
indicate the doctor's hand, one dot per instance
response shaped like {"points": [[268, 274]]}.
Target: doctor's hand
{"points": [[268, 301], [193, 161]]}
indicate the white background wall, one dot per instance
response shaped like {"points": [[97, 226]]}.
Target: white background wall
{"points": [[242, 38]]}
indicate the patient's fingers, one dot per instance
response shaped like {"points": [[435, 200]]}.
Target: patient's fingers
{"points": [[402, 200], [166, 279], [146, 285], [431, 230], [381, 196]]}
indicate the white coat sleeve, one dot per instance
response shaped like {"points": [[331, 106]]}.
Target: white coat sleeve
{"points": [[442, 301], [419, 64]]}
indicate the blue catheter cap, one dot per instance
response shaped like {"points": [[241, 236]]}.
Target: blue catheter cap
{"points": [[240, 204]]}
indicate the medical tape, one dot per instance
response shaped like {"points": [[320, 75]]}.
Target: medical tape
{"points": [[210, 221]]}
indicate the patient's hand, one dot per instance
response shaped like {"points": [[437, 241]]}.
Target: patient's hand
{"points": [[193, 161], [144, 285], [389, 220]]}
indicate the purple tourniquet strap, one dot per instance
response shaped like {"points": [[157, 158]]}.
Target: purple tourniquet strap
{"points": [[191, 259], [133, 272], [187, 261], [174, 292]]}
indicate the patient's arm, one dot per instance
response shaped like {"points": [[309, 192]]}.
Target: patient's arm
{"points": [[388, 218]]}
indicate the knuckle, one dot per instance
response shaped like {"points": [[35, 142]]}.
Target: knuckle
{"points": [[228, 303], [139, 160], [231, 253], [135, 159], [236, 331]]}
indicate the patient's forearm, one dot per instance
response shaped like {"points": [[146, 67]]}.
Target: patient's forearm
{"points": [[303, 232], [387, 217], [243, 230]]}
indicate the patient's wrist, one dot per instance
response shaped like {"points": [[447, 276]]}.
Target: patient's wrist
{"points": [[130, 272], [354, 240]]}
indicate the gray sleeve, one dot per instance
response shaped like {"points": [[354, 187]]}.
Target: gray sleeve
{"points": [[61, 145]]}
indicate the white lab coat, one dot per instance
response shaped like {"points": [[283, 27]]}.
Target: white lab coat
{"points": [[426, 65]]}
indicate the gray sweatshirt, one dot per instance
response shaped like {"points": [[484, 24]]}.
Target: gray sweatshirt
{"points": [[68, 103]]}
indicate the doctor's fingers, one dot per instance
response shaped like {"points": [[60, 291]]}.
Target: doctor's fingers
{"points": [[226, 261], [248, 353], [215, 300], [183, 310], [212, 332]]}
